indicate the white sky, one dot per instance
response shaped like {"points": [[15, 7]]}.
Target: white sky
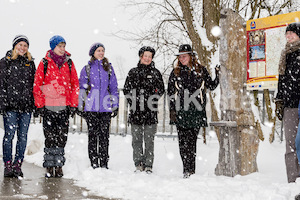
{"points": [[81, 23]]}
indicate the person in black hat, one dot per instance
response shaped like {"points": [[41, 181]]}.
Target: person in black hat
{"points": [[187, 86], [143, 88], [17, 71], [288, 96]]}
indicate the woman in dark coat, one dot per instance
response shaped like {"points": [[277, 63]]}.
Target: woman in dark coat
{"points": [[143, 88], [288, 96], [17, 71], [186, 89]]}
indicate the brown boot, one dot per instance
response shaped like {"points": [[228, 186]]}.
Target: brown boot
{"points": [[58, 172], [50, 172]]}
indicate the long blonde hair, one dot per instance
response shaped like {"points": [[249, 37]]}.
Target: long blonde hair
{"points": [[15, 55]]}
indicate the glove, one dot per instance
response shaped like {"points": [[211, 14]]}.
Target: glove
{"points": [[279, 109], [73, 111], [39, 112], [115, 112], [217, 70], [35, 113], [172, 117], [2, 111], [80, 113]]}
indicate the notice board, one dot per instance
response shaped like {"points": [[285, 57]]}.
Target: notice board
{"points": [[265, 41]]}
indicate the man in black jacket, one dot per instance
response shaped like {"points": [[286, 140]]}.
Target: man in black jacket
{"points": [[288, 96]]}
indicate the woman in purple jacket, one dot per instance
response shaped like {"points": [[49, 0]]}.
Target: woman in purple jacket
{"points": [[98, 102]]}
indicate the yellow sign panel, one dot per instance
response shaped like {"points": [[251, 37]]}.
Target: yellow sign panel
{"points": [[265, 40], [273, 21]]}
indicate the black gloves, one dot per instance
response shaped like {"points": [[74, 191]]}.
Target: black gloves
{"points": [[73, 111], [217, 70], [35, 113], [172, 117], [115, 112], [39, 112], [279, 109]]}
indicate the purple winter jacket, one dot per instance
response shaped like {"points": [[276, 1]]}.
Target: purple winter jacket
{"points": [[99, 98]]}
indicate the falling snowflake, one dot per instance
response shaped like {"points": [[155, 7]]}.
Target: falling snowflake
{"points": [[216, 31], [170, 156], [96, 31]]}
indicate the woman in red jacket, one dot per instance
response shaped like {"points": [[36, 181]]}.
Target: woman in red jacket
{"points": [[56, 90]]}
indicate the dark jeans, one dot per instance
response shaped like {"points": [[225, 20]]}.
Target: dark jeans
{"points": [[98, 131], [187, 147], [15, 121], [56, 128]]}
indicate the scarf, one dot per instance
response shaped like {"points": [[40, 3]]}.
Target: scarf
{"points": [[289, 48], [59, 60]]}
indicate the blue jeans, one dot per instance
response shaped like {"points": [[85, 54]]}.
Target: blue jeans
{"points": [[15, 121], [298, 143]]}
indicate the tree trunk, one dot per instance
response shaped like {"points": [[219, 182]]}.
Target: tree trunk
{"points": [[211, 17], [238, 136], [203, 54]]}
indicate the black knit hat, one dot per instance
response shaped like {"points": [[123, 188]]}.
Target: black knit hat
{"points": [[294, 27], [185, 49], [94, 47], [20, 38], [146, 48]]}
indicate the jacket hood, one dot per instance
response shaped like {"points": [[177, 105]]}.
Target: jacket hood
{"points": [[48, 53], [9, 54], [68, 55], [92, 62], [151, 65]]}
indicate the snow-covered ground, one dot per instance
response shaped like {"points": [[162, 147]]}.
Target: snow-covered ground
{"points": [[166, 182]]}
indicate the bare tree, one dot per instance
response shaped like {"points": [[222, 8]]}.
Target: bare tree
{"points": [[171, 25], [191, 21]]}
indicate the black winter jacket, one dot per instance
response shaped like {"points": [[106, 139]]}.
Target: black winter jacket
{"points": [[141, 83], [188, 83], [16, 84], [289, 83]]}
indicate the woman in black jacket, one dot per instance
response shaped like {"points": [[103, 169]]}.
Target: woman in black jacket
{"points": [[186, 90], [17, 71], [143, 88]]}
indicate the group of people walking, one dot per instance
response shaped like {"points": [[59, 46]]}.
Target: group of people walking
{"points": [[54, 92]]}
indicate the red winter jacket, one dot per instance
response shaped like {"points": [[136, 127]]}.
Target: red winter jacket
{"points": [[58, 87]]}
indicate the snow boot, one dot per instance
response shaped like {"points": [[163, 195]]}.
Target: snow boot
{"points": [[17, 169], [49, 172], [297, 197], [139, 168], [58, 172], [8, 171], [187, 174], [95, 163], [148, 170]]}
